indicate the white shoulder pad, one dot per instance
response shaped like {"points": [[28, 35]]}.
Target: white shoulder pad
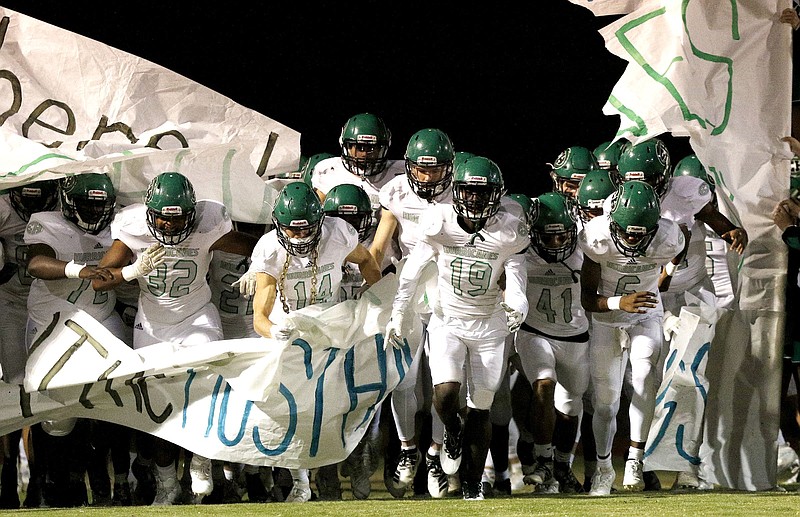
{"points": [[48, 228], [131, 220], [212, 216], [432, 219]]}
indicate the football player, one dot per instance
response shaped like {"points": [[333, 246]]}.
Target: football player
{"points": [[16, 207], [63, 251], [429, 161], [299, 263], [570, 167], [364, 142], [624, 252], [166, 245], [690, 200], [473, 242], [553, 342]]}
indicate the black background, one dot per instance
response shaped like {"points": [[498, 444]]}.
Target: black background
{"points": [[515, 84]]}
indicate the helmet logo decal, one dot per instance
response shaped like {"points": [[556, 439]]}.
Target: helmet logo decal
{"points": [[483, 180], [427, 160], [299, 222], [172, 210], [97, 194], [31, 192], [366, 139], [554, 228], [634, 175], [662, 153], [348, 209], [595, 203], [633, 229], [562, 159], [577, 176]]}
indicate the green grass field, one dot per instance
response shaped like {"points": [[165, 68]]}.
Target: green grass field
{"points": [[523, 502], [661, 504]]}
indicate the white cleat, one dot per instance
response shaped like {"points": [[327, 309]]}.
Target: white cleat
{"points": [[634, 476], [200, 470], [602, 481]]}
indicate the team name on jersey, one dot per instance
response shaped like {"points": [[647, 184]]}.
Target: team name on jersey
{"points": [[470, 252], [181, 252], [92, 256], [550, 280], [234, 267], [307, 273], [414, 218], [631, 268]]}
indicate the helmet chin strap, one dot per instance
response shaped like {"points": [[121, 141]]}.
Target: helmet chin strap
{"points": [[475, 234]]}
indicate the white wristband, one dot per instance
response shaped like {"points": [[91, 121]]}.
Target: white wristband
{"points": [[73, 270], [613, 303], [129, 273], [670, 268]]}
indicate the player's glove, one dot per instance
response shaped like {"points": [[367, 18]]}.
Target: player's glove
{"points": [[670, 325], [147, 262], [246, 283], [283, 332], [513, 317], [394, 334]]}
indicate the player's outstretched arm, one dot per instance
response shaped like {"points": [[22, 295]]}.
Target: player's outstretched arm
{"points": [[117, 257], [383, 236], [366, 264]]}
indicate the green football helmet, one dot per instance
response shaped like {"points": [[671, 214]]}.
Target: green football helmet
{"points": [[365, 142], [608, 154], [429, 152], [647, 161], [88, 200], [461, 156], [312, 161], [298, 210], [554, 234], [635, 211], [527, 205], [570, 167], [39, 196], [525, 202], [477, 188], [690, 166], [351, 203], [171, 207], [593, 190]]}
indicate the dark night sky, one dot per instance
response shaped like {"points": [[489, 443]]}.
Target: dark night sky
{"points": [[517, 84]]}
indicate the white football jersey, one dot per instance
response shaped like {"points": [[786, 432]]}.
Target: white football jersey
{"points": [[15, 251], [407, 207], [621, 275], [468, 272], [178, 287], [226, 268], [554, 295], [66, 294], [685, 198], [337, 241], [331, 172]]}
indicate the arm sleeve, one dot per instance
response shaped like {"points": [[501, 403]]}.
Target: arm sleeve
{"points": [[410, 274], [516, 282]]}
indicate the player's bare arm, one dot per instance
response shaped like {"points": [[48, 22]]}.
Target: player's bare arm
{"points": [[42, 263], [263, 302], [383, 235], [117, 257], [722, 226], [366, 264]]}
